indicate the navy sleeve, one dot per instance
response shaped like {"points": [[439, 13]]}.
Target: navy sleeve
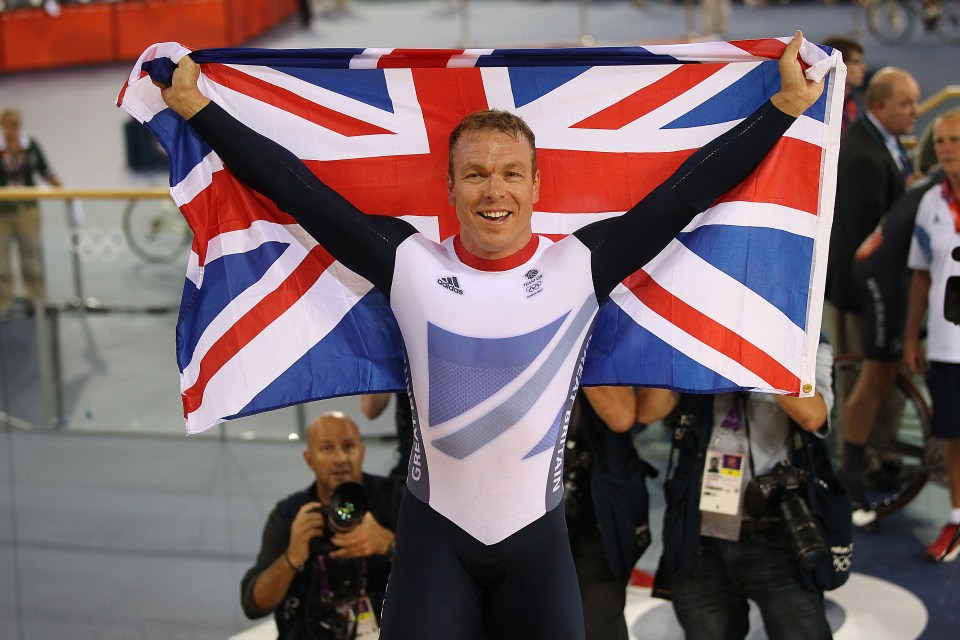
{"points": [[364, 243], [622, 245]]}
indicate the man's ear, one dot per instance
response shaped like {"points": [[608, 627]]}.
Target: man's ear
{"points": [[450, 198]]}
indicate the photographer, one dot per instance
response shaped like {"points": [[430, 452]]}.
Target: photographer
{"points": [[325, 556], [934, 259], [749, 531], [606, 504]]}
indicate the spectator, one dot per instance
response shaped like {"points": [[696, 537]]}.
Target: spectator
{"points": [[21, 163], [606, 502], [873, 171], [883, 282], [318, 582], [714, 15], [723, 548], [935, 287], [852, 53]]}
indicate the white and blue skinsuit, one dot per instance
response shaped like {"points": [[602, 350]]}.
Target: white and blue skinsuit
{"points": [[494, 350]]}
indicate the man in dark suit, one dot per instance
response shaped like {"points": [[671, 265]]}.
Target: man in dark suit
{"points": [[873, 172]]}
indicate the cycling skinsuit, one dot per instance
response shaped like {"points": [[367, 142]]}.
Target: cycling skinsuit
{"points": [[494, 352], [882, 278]]}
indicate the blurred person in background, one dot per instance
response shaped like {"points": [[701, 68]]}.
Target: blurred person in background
{"points": [[22, 163], [936, 287]]}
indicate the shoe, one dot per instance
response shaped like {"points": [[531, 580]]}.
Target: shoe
{"points": [[863, 518], [946, 547]]}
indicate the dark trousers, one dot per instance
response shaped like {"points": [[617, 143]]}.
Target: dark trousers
{"points": [[711, 602], [603, 594]]}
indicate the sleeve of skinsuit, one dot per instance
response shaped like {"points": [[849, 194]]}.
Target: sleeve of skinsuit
{"points": [[365, 243], [622, 245]]}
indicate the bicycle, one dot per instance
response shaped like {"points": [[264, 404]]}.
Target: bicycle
{"points": [[893, 21], [156, 234], [915, 455]]}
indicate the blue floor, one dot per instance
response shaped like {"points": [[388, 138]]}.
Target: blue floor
{"points": [[105, 535]]}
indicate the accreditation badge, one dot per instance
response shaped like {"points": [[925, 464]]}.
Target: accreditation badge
{"points": [[367, 627], [722, 485]]}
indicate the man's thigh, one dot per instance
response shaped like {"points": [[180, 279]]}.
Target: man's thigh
{"points": [[708, 601], [771, 580]]}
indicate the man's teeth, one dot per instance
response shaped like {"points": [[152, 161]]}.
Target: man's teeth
{"points": [[494, 215]]}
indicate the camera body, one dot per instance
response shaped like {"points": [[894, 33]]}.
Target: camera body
{"points": [[348, 504], [338, 582], [777, 494]]}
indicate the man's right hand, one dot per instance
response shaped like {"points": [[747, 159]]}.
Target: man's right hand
{"points": [[306, 526], [183, 95]]}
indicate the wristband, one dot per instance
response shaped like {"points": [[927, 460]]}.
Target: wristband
{"points": [[293, 566]]}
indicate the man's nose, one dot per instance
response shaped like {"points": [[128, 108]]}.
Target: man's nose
{"points": [[493, 187]]}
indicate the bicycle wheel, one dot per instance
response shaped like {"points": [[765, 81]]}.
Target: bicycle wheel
{"points": [[156, 233], [948, 24], [902, 461], [890, 21]]}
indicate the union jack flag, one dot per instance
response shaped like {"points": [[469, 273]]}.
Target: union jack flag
{"points": [[269, 318]]}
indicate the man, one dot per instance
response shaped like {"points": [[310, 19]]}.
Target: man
{"points": [[720, 553], [481, 532], [872, 173], [21, 164], [934, 287], [319, 582], [852, 53]]}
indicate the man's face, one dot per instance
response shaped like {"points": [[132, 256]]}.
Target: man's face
{"points": [[11, 129], [493, 186], [334, 453], [946, 144], [898, 114]]}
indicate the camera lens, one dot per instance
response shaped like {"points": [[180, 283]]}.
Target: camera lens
{"points": [[348, 505], [805, 539]]}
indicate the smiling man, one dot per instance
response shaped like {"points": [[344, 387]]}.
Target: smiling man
{"points": [[495, 322]]}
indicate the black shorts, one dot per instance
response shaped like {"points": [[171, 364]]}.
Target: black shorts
{"points": [[883, 291], [447, 585], [943, 380]]}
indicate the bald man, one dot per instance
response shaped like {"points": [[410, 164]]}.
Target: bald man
{"points": [[310, 577]]}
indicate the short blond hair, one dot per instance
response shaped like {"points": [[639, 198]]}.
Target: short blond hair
{"points": [[11, 115], [496, 120]]}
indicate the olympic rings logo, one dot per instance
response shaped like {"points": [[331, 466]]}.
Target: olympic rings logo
{"points": [[97, 245]]}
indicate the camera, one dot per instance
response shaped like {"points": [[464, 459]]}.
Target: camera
{"points": [[337, 582], [348, 505], [776, 494]]}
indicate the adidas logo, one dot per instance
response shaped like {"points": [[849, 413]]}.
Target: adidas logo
{"points": [[450, 282]]}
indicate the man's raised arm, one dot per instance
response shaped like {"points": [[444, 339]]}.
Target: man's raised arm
{"points": [[622, 245], [364, 243]]}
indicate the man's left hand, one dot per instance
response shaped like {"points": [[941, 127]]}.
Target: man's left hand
{"points": [[367, 539]]}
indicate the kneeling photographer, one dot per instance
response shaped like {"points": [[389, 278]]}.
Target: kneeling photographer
{"points": [[326, 550], [754, 512]]}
